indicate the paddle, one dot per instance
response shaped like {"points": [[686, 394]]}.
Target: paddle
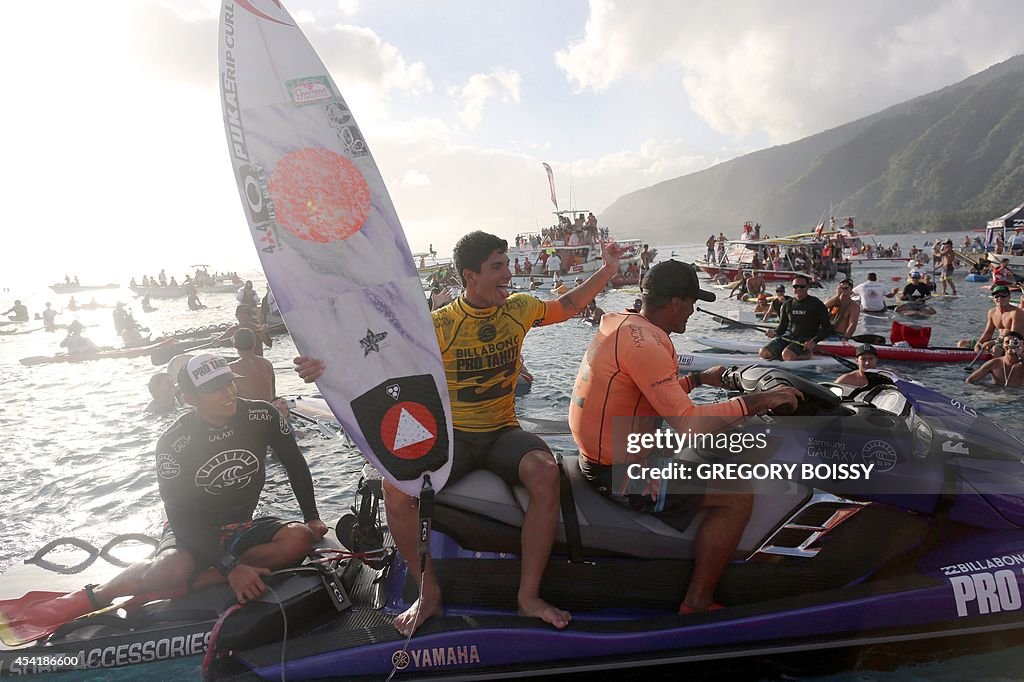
{"points": [[841, 360], [161, 356], [752, 325], [970, 367]]}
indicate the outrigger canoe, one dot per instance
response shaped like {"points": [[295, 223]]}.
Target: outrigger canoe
{"points": [[849, 350]]}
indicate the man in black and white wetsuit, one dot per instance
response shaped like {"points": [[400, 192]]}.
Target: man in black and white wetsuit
{"points": [[211, 470], [803, 323], [211, 474]]}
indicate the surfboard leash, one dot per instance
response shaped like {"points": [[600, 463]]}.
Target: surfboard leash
{"points": [[426, 507]]}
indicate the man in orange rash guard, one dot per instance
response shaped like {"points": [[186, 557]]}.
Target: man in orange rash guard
{"points": [[630, 370]]}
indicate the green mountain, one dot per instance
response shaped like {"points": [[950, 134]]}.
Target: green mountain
{"points": [[948, 160]]}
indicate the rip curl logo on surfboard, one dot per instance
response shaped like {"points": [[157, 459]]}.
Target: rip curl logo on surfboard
{"points": [[408, 436]]}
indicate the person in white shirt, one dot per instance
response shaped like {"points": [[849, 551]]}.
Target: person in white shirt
{"points": [[554, 265], [872, 294]]}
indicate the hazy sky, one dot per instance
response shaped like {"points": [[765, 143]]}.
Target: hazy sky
{"points": [[116, 162]]}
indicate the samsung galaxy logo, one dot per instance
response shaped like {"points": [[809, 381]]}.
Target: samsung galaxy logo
{"points": [[221, 435], [260, 416], [181, 443]]}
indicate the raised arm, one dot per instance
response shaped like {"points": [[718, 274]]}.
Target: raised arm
{"points": [[575, 300]]}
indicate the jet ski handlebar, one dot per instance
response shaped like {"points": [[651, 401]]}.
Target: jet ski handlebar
{"points": [[758, 378]]}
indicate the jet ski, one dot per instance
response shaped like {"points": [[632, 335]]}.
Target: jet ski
{"points": [[159, 631], [933, 548]]}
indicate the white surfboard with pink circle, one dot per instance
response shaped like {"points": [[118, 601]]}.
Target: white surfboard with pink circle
{"points": [[331, 244]]}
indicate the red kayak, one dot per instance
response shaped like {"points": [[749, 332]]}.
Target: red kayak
{"points": [[904, 353]]}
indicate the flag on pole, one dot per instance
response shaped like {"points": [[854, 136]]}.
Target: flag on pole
{"points": [[551, 183]]}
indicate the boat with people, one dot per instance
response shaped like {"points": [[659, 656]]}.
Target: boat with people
{"points": [[941, 515], [578, 253], [72, 288], [775, 259], [182, 291], [1004, 238]]}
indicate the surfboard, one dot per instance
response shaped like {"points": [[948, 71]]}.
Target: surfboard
{"points": [[331, 244]]}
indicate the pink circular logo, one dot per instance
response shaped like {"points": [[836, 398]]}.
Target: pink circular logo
{"points": [[319, 195]]}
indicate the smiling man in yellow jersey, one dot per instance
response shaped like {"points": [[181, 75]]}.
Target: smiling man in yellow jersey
{"points": [[481, 337]]}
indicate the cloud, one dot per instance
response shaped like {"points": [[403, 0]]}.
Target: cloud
{"points": [[790, 68], [348, 7], [500, 83], [505, 191], [368, 68], [413, 178]]}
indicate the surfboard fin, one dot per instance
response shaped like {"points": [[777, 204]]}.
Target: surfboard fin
{"points": [[38, 614]]}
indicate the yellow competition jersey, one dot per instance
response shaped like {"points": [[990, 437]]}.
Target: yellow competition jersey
{"points": [[480, 348]]}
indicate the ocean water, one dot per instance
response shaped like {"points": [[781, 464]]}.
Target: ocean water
{"points": [[77, 454]]}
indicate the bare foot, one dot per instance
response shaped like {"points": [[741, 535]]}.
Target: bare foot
{"points": [[425, 607], [535, 607]]}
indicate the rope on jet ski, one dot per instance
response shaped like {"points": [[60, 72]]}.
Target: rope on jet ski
{"points": [[426, 514], [211, 648], [214, 635]]}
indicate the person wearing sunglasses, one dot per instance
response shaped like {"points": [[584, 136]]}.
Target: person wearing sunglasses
{"points": [[1001, 319], [1001, 369], [803, 323]]}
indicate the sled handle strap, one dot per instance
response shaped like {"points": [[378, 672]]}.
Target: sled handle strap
{"points": [[426, 520], [570, 521]]}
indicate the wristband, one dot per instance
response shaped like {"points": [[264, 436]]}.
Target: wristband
{"points": [[226, 564]]}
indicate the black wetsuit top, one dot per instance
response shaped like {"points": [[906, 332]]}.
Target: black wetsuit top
{"points": [[210, 477], [804, 320], [921, 289]]}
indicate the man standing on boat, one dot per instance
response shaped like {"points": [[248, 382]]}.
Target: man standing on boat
{"points": [[645, 260], [553, 266], [486, 432], [630, 372], [803, 323]]}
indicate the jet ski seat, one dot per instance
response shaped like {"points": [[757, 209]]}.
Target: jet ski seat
{"points": [[610, 527]]}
